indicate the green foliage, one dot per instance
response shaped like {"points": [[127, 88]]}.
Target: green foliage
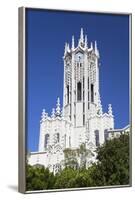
{"points": [[39, 178], [66, 179], [71, 156], [111, 168]]}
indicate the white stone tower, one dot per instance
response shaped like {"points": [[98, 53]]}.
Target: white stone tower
{"points": [[81, 95], [81, 81]]}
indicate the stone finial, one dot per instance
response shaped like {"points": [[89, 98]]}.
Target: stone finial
{"points": [[110, 109], [44, 115], [81, 39], [53, 113], [96, 49], [73, 43], [81, 36], [91, 45], [68, 48], [65, 48], [58, 111], [95, 45], [86, 41], [100, 110]]}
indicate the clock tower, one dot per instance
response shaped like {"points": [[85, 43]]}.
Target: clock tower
{"points": [[81, 81]]}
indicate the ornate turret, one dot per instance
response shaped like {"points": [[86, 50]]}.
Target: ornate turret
{"points": [[58, 111], [44, 115], [110, 109]]}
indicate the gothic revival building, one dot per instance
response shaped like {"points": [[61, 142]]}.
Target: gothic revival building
{"points": [[81, 120]]}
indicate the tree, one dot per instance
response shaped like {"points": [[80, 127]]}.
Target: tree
{"points": [[66, 179], [70, 158], [76, 158], [112, 167], [83, 153], [39, 178]]}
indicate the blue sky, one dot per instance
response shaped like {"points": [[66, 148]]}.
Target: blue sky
{"points": [[46, 34]]}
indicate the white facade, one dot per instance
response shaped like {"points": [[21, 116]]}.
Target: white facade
{"points": [[81, 120]]}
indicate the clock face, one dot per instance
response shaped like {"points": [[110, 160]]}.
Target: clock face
{"points": [[79, 57]]}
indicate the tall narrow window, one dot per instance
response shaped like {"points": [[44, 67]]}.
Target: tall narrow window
{"points": [[75, 120], [83, 107], [83, 95], [106, 135], [88, 96], [79, 91], [58, 137], [92, 93], [97, 137], [83, 119], [67, 94], [46, 140], [88, 83], [83, 82]]}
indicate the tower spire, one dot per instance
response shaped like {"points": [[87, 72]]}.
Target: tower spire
{"points": [[86, 41], [96, 49], [73, 42], [81, 36], [58, 112], [81, 40]]}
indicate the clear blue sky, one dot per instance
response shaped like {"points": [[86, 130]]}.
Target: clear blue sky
{"points": [[46, 34]]}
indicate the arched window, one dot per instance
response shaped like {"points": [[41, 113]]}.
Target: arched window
{"points": [[58, 137], [106, 135], [79, 91], [97, 137], [92, 93], [46, 140], [67, 94]]}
